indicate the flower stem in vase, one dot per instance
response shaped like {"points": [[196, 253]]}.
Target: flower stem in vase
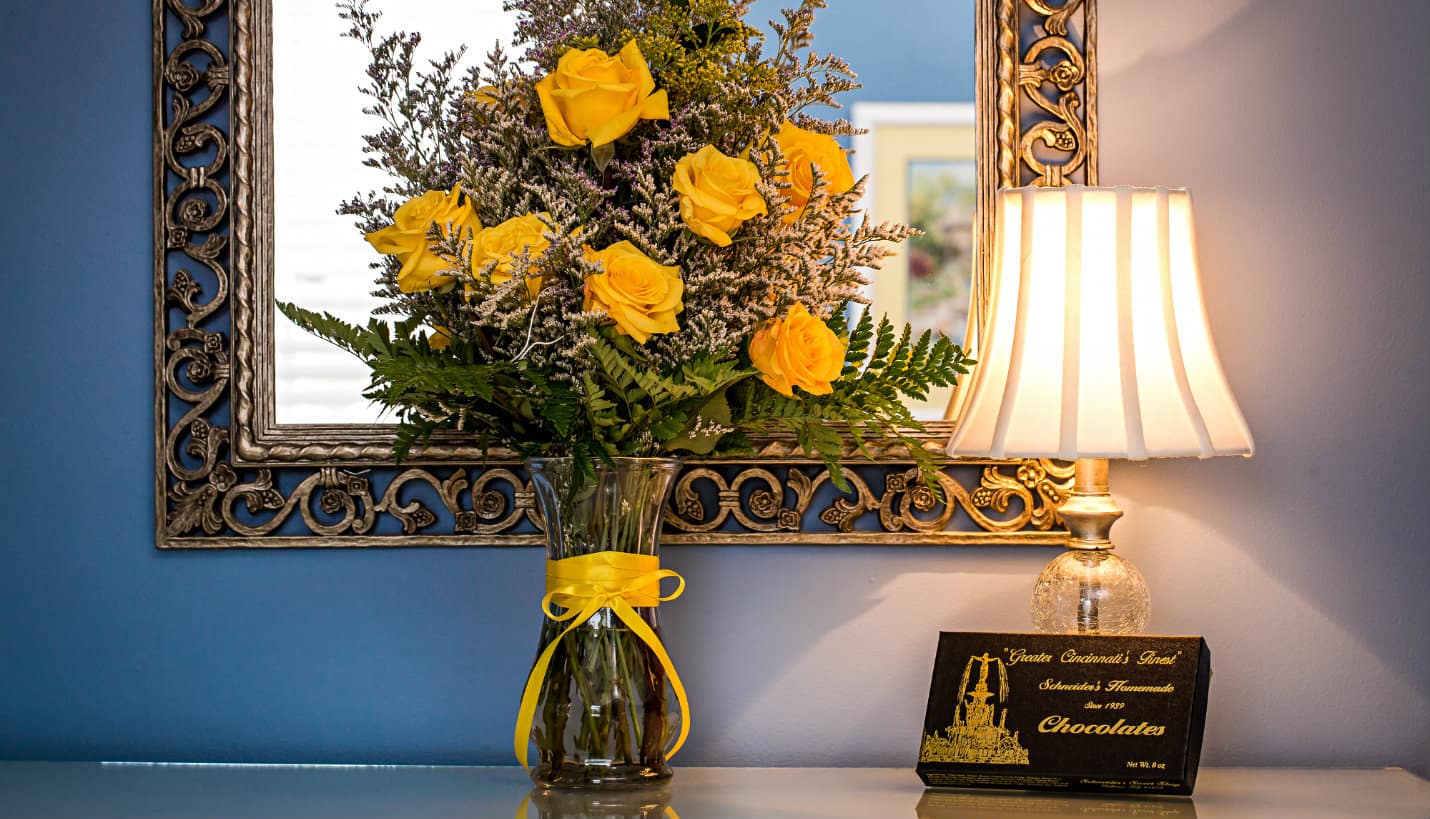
{"points": [[653, 732], [556, 707], [620, 685]]}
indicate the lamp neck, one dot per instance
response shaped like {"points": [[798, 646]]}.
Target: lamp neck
{"points": [[1090, 511]]}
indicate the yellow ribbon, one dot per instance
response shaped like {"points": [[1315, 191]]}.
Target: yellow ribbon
{"points": [[583, 586]]}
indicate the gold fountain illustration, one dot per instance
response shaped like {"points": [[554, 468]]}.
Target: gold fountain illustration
{"points": [[973, 736]]}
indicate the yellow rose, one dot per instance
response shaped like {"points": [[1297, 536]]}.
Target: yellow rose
{"points": [[641, 296], [594, 96], [717, 193], [406, 237], [798, 350], [804, 149], [504, 242]]}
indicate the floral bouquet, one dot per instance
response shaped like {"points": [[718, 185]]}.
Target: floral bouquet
{"points": [[632, 241]]}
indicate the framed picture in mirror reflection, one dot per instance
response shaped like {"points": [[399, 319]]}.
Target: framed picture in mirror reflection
{"points": [[919, 159]]}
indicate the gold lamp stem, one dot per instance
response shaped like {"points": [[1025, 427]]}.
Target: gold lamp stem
{"points": [[1087, 588], [1090, 511], [1089, 514]]}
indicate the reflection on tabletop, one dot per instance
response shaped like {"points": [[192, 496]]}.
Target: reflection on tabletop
{"points": [[950, 804], [653, 803], [656, 804], [78, 790]]}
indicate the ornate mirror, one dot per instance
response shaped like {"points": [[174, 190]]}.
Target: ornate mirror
{"points": [[262, 436]]}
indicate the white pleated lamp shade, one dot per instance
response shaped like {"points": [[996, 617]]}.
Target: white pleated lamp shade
{"points": [[1098, 344]]}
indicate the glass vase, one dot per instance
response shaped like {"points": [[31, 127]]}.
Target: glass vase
{"points": [[603, 717]]}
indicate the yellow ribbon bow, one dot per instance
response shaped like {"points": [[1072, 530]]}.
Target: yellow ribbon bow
{"points": [[584, 585]]}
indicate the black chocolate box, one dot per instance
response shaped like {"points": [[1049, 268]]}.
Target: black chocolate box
{"points": [[1064, 712]]}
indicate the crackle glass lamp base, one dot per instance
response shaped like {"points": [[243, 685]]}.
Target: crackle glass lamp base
{"points": [[1090, 591]]}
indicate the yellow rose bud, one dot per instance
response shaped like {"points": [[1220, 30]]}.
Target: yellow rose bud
{"points": [[440, 339], [798, 350], [640, 295], [592, 96], [486, 95], [717, 193], [802, 151], [501, 244], [406, 237]]}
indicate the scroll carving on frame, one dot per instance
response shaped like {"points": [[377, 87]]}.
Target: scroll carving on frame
{"points": [[228, 476]]}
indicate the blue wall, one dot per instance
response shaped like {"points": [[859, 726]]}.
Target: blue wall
{"points": [[110, 649], [1307, 575], [902, 50]]}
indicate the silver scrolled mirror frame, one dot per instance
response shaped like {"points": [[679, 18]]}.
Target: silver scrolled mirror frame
{"points": [[227, 475]]}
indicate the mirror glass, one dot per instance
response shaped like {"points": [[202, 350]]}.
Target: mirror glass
{"points": [[915, 59]]}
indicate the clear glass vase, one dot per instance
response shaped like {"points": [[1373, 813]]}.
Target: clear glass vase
{"points": [[603, 717]]}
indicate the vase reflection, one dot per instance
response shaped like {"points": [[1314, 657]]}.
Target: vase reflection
{"points": [[936, 804], [639, 803]]}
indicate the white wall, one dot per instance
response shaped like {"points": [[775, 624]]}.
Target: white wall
{"points": [[1300, 128]]}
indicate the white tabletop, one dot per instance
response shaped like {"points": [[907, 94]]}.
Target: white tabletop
{"points": [[73, 790]]}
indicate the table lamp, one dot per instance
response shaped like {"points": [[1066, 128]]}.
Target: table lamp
{"points": [[1097, 346]]}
